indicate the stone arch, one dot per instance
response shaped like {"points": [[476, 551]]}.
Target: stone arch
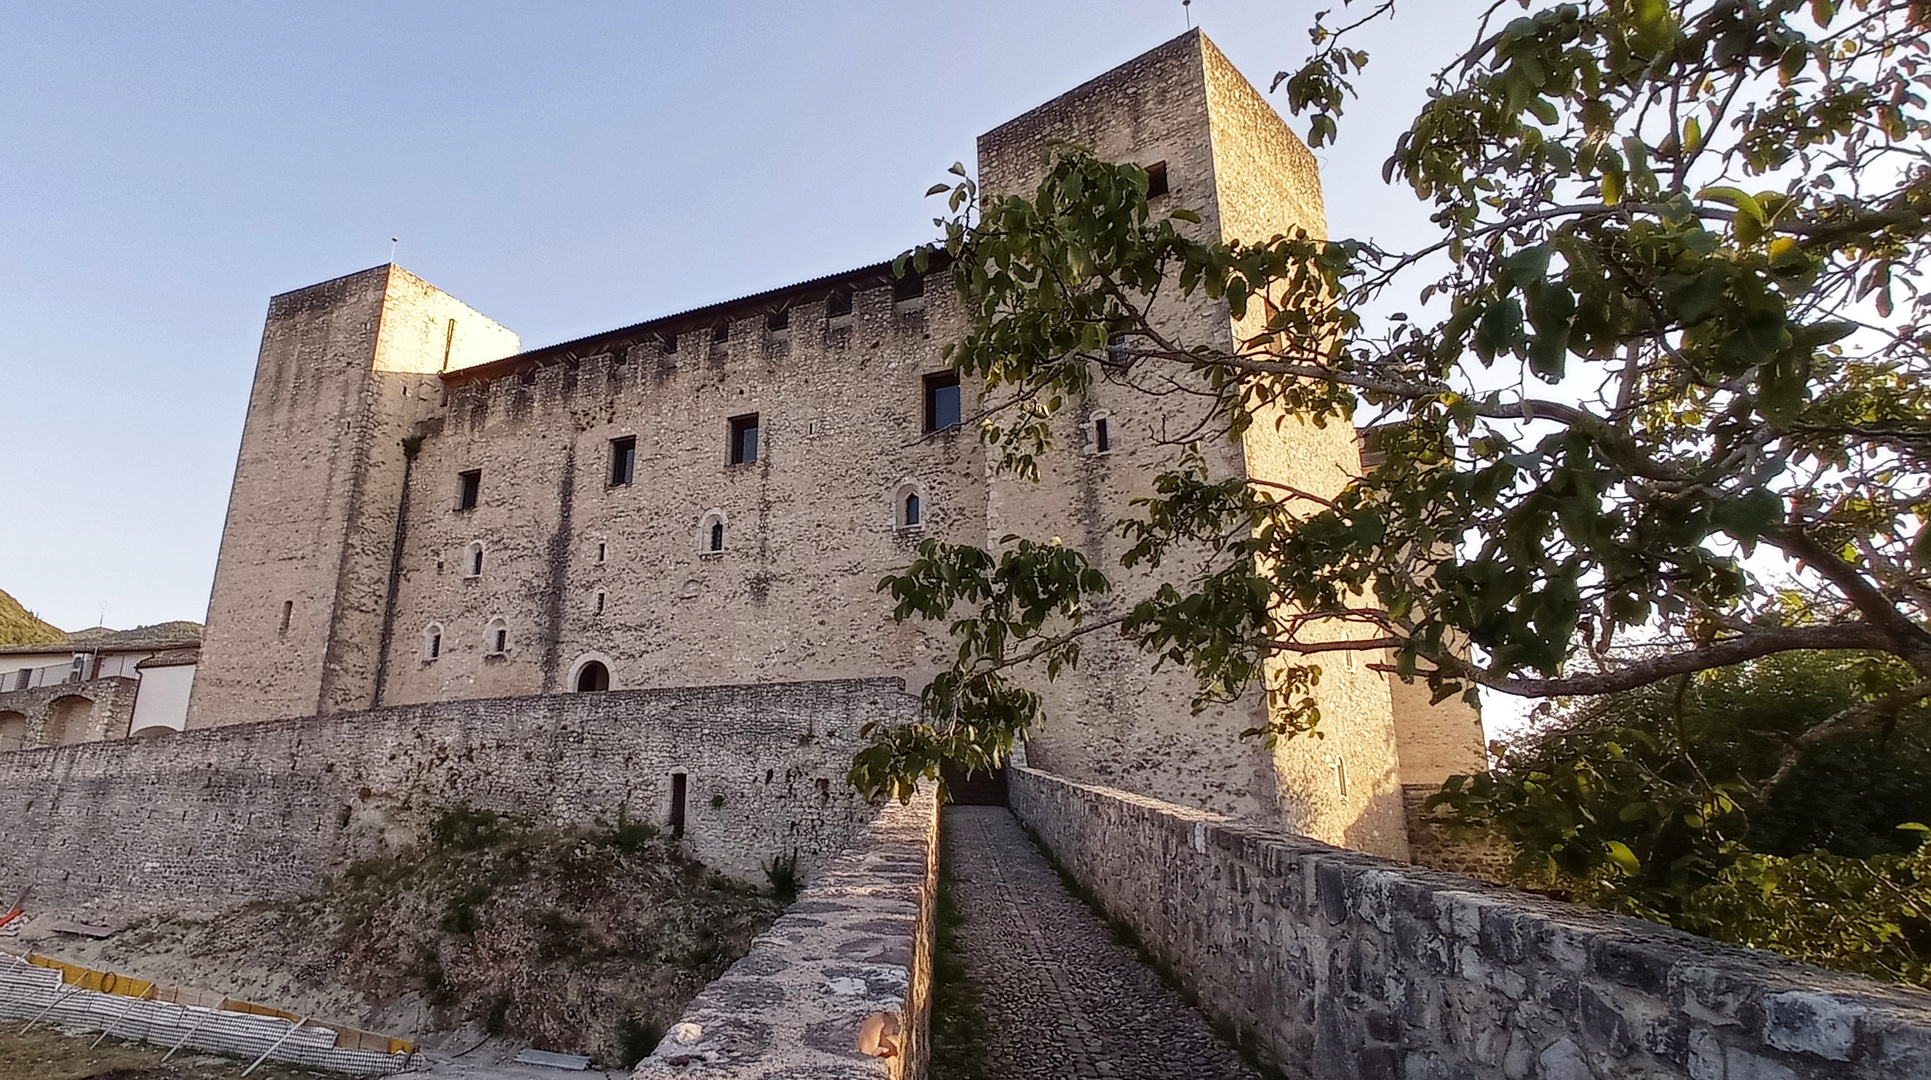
{"points": [[586, 668], [67, 719], [13, 731]]}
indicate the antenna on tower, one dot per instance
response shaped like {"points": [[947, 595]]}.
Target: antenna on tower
{"points": [[1187, 6]]}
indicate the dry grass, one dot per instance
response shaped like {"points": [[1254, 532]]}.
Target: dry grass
{"points": [[47, 1054]]}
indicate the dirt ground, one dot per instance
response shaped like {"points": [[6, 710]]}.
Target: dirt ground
{"points": [[46, 1054]]}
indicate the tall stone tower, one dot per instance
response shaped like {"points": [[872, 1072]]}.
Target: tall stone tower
{"points": [[347, 368], [1227, 156]]}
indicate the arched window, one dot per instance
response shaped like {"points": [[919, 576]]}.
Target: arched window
{"points": [[711, 532], [909, 509], [497, 636], [432, 641], [593, 676], [473, 560]]}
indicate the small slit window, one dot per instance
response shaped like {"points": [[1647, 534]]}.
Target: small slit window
{"points": [[1102, 434], [432, 642], [473, 560], [469, 489], [744, 439], [1156, 179], [599, 603], [942, 401], [912, 510], [498, 633], [601, 548], [677, 789], [288, 615], [623, 459]]}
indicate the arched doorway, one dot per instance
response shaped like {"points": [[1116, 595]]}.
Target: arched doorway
{"points": [[593, 676], [13, 731], [67, 720]]}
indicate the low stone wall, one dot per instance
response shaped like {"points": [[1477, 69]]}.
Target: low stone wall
{"points": [[840, 987], [206, 819], [1329, 963]]}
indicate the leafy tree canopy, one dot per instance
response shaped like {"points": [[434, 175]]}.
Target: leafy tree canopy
{"points": [[1657, 404], [1637, 799]]}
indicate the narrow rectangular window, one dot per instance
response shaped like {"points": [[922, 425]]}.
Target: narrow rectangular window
{"points": [[838, 303], [778, 320], [1102, 436], [288, 613], [469, 489], [669, 341], [909, 287], [721, 333], [599, 603], [502, 640], [744, 439], [1156, 179], [435, 646], [600, 551], [942, 401], [623, 459], [677, 787]]}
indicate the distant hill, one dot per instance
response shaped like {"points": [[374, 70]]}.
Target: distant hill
{"points": [[19, 627]]}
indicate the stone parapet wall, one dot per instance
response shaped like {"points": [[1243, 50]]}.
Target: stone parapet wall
{"points": [[840, 987], [1331, 963], [206, 819]]}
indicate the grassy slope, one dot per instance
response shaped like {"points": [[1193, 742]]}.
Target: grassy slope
{"points": [[19, 627], [582, 940]]}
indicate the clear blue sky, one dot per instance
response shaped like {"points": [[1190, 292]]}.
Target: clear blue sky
{"points": [[165, 168]]}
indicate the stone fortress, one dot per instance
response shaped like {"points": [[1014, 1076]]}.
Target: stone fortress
{"points": [[421, 513], [632, 577]]}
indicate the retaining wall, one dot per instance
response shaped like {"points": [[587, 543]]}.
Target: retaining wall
{"points": [[840, 987], [1330, 963], [206, 819]]}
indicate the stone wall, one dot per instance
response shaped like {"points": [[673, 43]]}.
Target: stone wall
{"points": [[62, 714], [840, 987], [1433, 844], [1331, 963], [209, 818]]}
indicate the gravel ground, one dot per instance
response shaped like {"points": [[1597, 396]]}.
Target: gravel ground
{"points": [[1063, 999]]}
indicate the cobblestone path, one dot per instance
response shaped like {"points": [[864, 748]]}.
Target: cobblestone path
{"points": [[1064, 1001]]}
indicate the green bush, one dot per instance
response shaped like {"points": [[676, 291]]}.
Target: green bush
{"points": [[1870, 915], [1660, 802]]}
